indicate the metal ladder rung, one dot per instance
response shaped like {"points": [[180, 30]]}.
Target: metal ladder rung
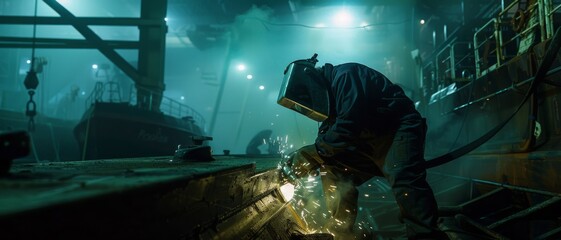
{"points": [[543, 206], [553, 234]]}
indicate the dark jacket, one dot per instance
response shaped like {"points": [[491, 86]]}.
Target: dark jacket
{"points": [[366, 104]]}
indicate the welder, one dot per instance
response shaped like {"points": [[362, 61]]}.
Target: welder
{"points": [[369, 127]]}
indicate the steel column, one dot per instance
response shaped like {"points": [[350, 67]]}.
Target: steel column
{"points": [[151, 55]]}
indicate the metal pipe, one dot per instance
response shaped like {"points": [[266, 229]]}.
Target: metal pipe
{"points": [[549, 10], [541, 16], [505, 10], [476, 46], [508, 186], [445, 30], [463, 10], [223, 77]]}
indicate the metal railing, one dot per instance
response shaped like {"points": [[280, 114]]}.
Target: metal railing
{"points": [[104, 92], [512, 32], [515, 29], [111, 92], [524, 23], [454, 57], [488, 37], [550, 8], [170, 107]]}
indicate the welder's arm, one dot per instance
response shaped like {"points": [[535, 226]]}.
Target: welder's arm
{"points": [[353, 109], [301, 163]]}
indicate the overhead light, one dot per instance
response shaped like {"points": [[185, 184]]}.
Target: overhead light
{"points": [[241, 67], [94, 66], [249, 77], [422, 21], [343, 18], [261, 87]]}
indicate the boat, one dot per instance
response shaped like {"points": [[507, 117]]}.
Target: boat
{"points": [[495, 74], [113, 128]]}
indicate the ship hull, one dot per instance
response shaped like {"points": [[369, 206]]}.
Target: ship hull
{"points": [[119, 130]]}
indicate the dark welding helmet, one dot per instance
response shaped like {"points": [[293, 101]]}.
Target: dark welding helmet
{"points": [[304, 90]]}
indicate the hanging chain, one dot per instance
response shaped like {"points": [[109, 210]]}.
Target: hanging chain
{"points": [[30, 111], [31, 80]]}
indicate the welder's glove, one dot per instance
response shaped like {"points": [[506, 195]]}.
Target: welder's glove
{"points": [[301, 163]]}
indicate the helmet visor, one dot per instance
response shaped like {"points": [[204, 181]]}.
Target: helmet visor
{"points": [[302, 93]]}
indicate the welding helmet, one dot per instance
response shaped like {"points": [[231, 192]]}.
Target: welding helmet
{"points": [[304, 90]]}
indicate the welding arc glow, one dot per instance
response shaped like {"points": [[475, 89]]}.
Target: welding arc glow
{"points": [[287, 191]]}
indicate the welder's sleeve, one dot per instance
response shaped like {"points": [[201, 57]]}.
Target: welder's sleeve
{"points": [[304, 160], [354, 107]]}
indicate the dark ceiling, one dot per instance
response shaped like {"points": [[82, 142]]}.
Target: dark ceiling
{"points": [[207, 19], [225, 11]]}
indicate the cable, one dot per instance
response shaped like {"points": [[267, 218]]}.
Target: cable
{"points": [[465, 116], [267, 23], [34, 35]]}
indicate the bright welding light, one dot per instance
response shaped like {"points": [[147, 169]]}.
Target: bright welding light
{"points": [[287, 191]]}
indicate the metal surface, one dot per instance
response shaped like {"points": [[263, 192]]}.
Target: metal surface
{"points": [[150, 198]]}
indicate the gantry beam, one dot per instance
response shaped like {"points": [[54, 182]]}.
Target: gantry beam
{"points": [[22, 42], [148, 75], [116, 21]]}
